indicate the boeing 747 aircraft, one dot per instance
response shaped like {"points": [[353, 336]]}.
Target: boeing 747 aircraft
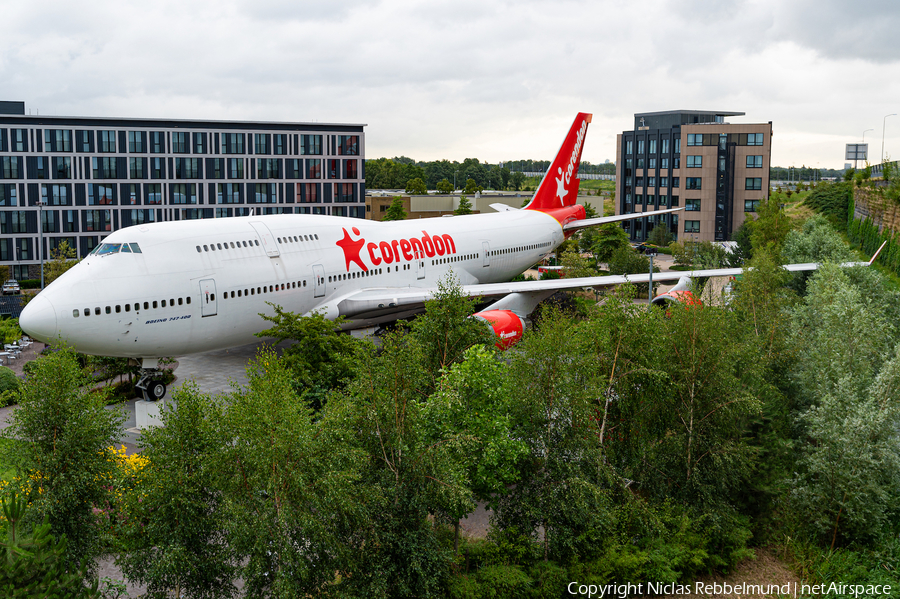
{"points": [[177, 288]]}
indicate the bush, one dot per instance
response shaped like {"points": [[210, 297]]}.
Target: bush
{"points": [[499, 582], [30, 284], [8, 380]]}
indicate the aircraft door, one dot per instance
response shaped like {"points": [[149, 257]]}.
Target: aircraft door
{"points": [[487, 253], [268, 240], [319, 276], [208, 297], [420, 266]]}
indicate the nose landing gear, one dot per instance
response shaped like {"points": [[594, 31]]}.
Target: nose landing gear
{"points": [[152, 389], [151, 382]]}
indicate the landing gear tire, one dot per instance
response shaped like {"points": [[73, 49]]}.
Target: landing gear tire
{"points": [[151, 389], [155, 391]]}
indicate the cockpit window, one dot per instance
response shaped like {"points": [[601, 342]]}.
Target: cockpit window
{"points": [[109, 248], [135, 248], [126, 249]]}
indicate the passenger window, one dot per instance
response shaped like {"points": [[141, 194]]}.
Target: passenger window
{"points": [[118, 309], [154, 304], [232, 295], [75, 313], [220, 245], [163, 304], [252, 291], [147, 305], [87, 311], [198, 249], [316, 236], [212, 297], [97, 311], [245, 244], [180, 300], [258, 290], [232, 245], [188, 300], [256, 241], [128, 307], [205, 249]]}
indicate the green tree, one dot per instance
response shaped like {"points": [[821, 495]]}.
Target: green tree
{"points": [[395, 211], [625, 261], [61, 259], [473, 186], [660, 236], [517, 178], [576, 265], [320, 359], [471, 403], [771, 226], [288, 482], [465, 206], [603, 241], [504, 177], [172, 534], [846, 488], [816, 241], [66, 457], [412, 476], [34, 562], [563, 487], [444, 186], [446, 330], [416, 186]]}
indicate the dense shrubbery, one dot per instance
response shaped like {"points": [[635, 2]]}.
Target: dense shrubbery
{"points": [[618, 444]]}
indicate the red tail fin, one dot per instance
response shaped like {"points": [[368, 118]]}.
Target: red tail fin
{"points": [[560, 185]]}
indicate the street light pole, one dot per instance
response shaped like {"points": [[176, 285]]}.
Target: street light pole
{"points": [[855, 160], [883, 124], [41, 237]]}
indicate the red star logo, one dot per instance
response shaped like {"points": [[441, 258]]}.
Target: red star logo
{"points": [[352, 248]]}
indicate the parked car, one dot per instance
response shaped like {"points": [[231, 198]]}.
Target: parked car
{"points": [[11, 287]]}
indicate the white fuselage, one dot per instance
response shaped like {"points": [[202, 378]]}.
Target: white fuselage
{"points": [[173, 299]]}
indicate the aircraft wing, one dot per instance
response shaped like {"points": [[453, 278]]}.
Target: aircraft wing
{"points": [[373, 304]]}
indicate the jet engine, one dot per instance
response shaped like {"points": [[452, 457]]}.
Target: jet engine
{"points": [[507, 325]]}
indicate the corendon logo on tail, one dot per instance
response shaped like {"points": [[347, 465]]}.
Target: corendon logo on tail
{"points": [[565, 177], [396, 250]]}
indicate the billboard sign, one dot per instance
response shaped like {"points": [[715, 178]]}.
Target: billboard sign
{"points": [[857, 152]]}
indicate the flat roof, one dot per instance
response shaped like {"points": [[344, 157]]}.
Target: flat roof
{"points": [[698, 112], [83, 121]]}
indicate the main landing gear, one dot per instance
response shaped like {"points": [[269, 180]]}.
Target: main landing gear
{"points": [[151, 382]]}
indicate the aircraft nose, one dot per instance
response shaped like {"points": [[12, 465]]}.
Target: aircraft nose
{"points": [[38, 319]]}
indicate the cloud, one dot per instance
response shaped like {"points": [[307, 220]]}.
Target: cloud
{"points": [[496, 80]]}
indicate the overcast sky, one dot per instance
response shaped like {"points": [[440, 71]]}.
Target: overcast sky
{"points": [[489, 79]]}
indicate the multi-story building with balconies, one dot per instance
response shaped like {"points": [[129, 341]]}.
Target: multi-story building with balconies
{"points": [[718, 171], [84, 177]]}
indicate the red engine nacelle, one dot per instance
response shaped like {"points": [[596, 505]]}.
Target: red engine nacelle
{"points": [[508, 326], [677, 296]]}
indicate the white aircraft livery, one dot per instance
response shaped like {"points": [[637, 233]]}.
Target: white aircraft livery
{"points": [[177, 288]]}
